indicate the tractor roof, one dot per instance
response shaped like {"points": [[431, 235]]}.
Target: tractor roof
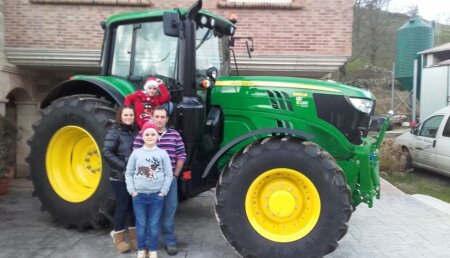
{"points": [[154, 14]]}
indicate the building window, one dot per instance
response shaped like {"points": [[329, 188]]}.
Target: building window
{"points": [[96, 2], [261, 4]]}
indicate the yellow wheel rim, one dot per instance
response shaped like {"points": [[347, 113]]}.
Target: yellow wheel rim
{"points": [[282, 205], [74, 164]]}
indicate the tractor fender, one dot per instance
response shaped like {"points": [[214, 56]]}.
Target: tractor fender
{"points": [[274, 130], [83, 86]]}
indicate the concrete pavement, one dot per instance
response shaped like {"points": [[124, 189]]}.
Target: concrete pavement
{"points": [[399, 225]]}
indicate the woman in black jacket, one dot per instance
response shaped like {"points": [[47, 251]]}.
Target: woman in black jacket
{"points": [[117, 148]]}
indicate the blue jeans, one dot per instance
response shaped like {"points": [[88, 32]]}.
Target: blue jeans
{"points": [[147, 210], [123, 205], [168, 215]]}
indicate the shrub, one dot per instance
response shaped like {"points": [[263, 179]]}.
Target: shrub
{"points": [[8, 138], [392, 158]]}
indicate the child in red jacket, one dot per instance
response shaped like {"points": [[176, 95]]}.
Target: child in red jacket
{"points": [[154, 94]]}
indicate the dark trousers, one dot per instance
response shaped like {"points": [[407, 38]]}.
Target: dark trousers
{"points": [[124, 208]]}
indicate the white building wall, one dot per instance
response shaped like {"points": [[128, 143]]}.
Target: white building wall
{"points": [[435, 90]]}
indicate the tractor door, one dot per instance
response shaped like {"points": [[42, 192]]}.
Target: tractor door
{"points": [[141, 50]]}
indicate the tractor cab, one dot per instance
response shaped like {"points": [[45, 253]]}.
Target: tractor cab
{"points": [[136, 48]]}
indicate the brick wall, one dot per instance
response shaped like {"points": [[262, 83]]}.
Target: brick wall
{"points": [[312, 28], [308, 28]]}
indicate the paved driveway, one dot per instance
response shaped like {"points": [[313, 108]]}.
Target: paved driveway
{"points": [[398, 226]]}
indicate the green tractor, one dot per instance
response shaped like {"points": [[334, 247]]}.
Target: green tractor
{"points": [[290, 157]]}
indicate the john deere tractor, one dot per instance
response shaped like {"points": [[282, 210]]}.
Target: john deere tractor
{"points": [[290, 157]]}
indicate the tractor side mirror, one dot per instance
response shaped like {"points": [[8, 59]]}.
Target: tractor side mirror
{"points": [[248, 44], [171, 24], [212, 73], [231, 42], [249, 49], [103, 25]]}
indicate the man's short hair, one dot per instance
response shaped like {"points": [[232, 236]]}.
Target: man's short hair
{"points": [[160, 108]]}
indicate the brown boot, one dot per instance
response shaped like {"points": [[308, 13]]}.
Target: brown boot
{"points": [[118, 240], [132, 234]]}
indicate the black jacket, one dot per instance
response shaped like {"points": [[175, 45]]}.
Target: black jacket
{"points": [[117, 148]]}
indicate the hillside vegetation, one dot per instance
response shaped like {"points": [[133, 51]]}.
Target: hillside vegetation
{"points": [[374, 38], [374, 46]]}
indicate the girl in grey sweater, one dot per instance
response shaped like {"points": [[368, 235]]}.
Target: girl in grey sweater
{"points": [[148, 178]]}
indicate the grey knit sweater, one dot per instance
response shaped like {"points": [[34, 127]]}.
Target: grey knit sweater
{"points": [[149, 171]]}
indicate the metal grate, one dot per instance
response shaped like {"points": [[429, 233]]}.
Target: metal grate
{"points": [[284, 124], [280, 100]]}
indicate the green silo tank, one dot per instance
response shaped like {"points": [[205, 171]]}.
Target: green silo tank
{"points": [[414, 36]]}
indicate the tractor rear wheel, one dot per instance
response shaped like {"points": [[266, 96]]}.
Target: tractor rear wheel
{"points": [[66, 164], [280, 197]]}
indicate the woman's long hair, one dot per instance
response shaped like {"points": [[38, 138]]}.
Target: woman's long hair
{"points": [[119, 114]]}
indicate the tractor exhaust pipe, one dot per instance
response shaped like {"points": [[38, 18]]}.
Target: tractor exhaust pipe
{"points": [[187, 49], [190, 113]]}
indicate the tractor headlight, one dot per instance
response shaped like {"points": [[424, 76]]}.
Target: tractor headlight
{"points": [[212, 22], [363, 105], [203, 20], [231, 30]]}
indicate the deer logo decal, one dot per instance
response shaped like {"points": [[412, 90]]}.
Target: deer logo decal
{"points": [[149, 172]]}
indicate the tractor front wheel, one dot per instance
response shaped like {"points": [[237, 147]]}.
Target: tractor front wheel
{"points": [[66, 164], [280, 197]]}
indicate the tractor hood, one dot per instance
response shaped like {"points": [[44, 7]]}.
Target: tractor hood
{"points": [[292, 83], [331, 111]]}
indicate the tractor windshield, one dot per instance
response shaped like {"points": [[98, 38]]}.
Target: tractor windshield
{"points": [[211, 52], [143, 50], [151, 53]]}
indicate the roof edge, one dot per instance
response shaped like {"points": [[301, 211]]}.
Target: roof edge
{"points": [[271, 64]]}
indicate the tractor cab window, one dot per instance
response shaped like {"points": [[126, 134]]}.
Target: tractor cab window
{"points": [[143, 49], [211, 51], [154, 53], [122, 51]]}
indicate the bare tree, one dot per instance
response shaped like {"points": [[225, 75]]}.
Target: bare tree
{"points": [[412, 10], [369, 28]]}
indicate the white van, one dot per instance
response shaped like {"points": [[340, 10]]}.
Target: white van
{"points": [[428, 144]]}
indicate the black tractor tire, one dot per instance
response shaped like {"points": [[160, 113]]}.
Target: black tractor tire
{"points": [[59, 171], [261, 165]]}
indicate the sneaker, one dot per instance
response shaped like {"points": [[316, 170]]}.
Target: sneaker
{"points": [[152, 254], [171, 250], [141, 254]]}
